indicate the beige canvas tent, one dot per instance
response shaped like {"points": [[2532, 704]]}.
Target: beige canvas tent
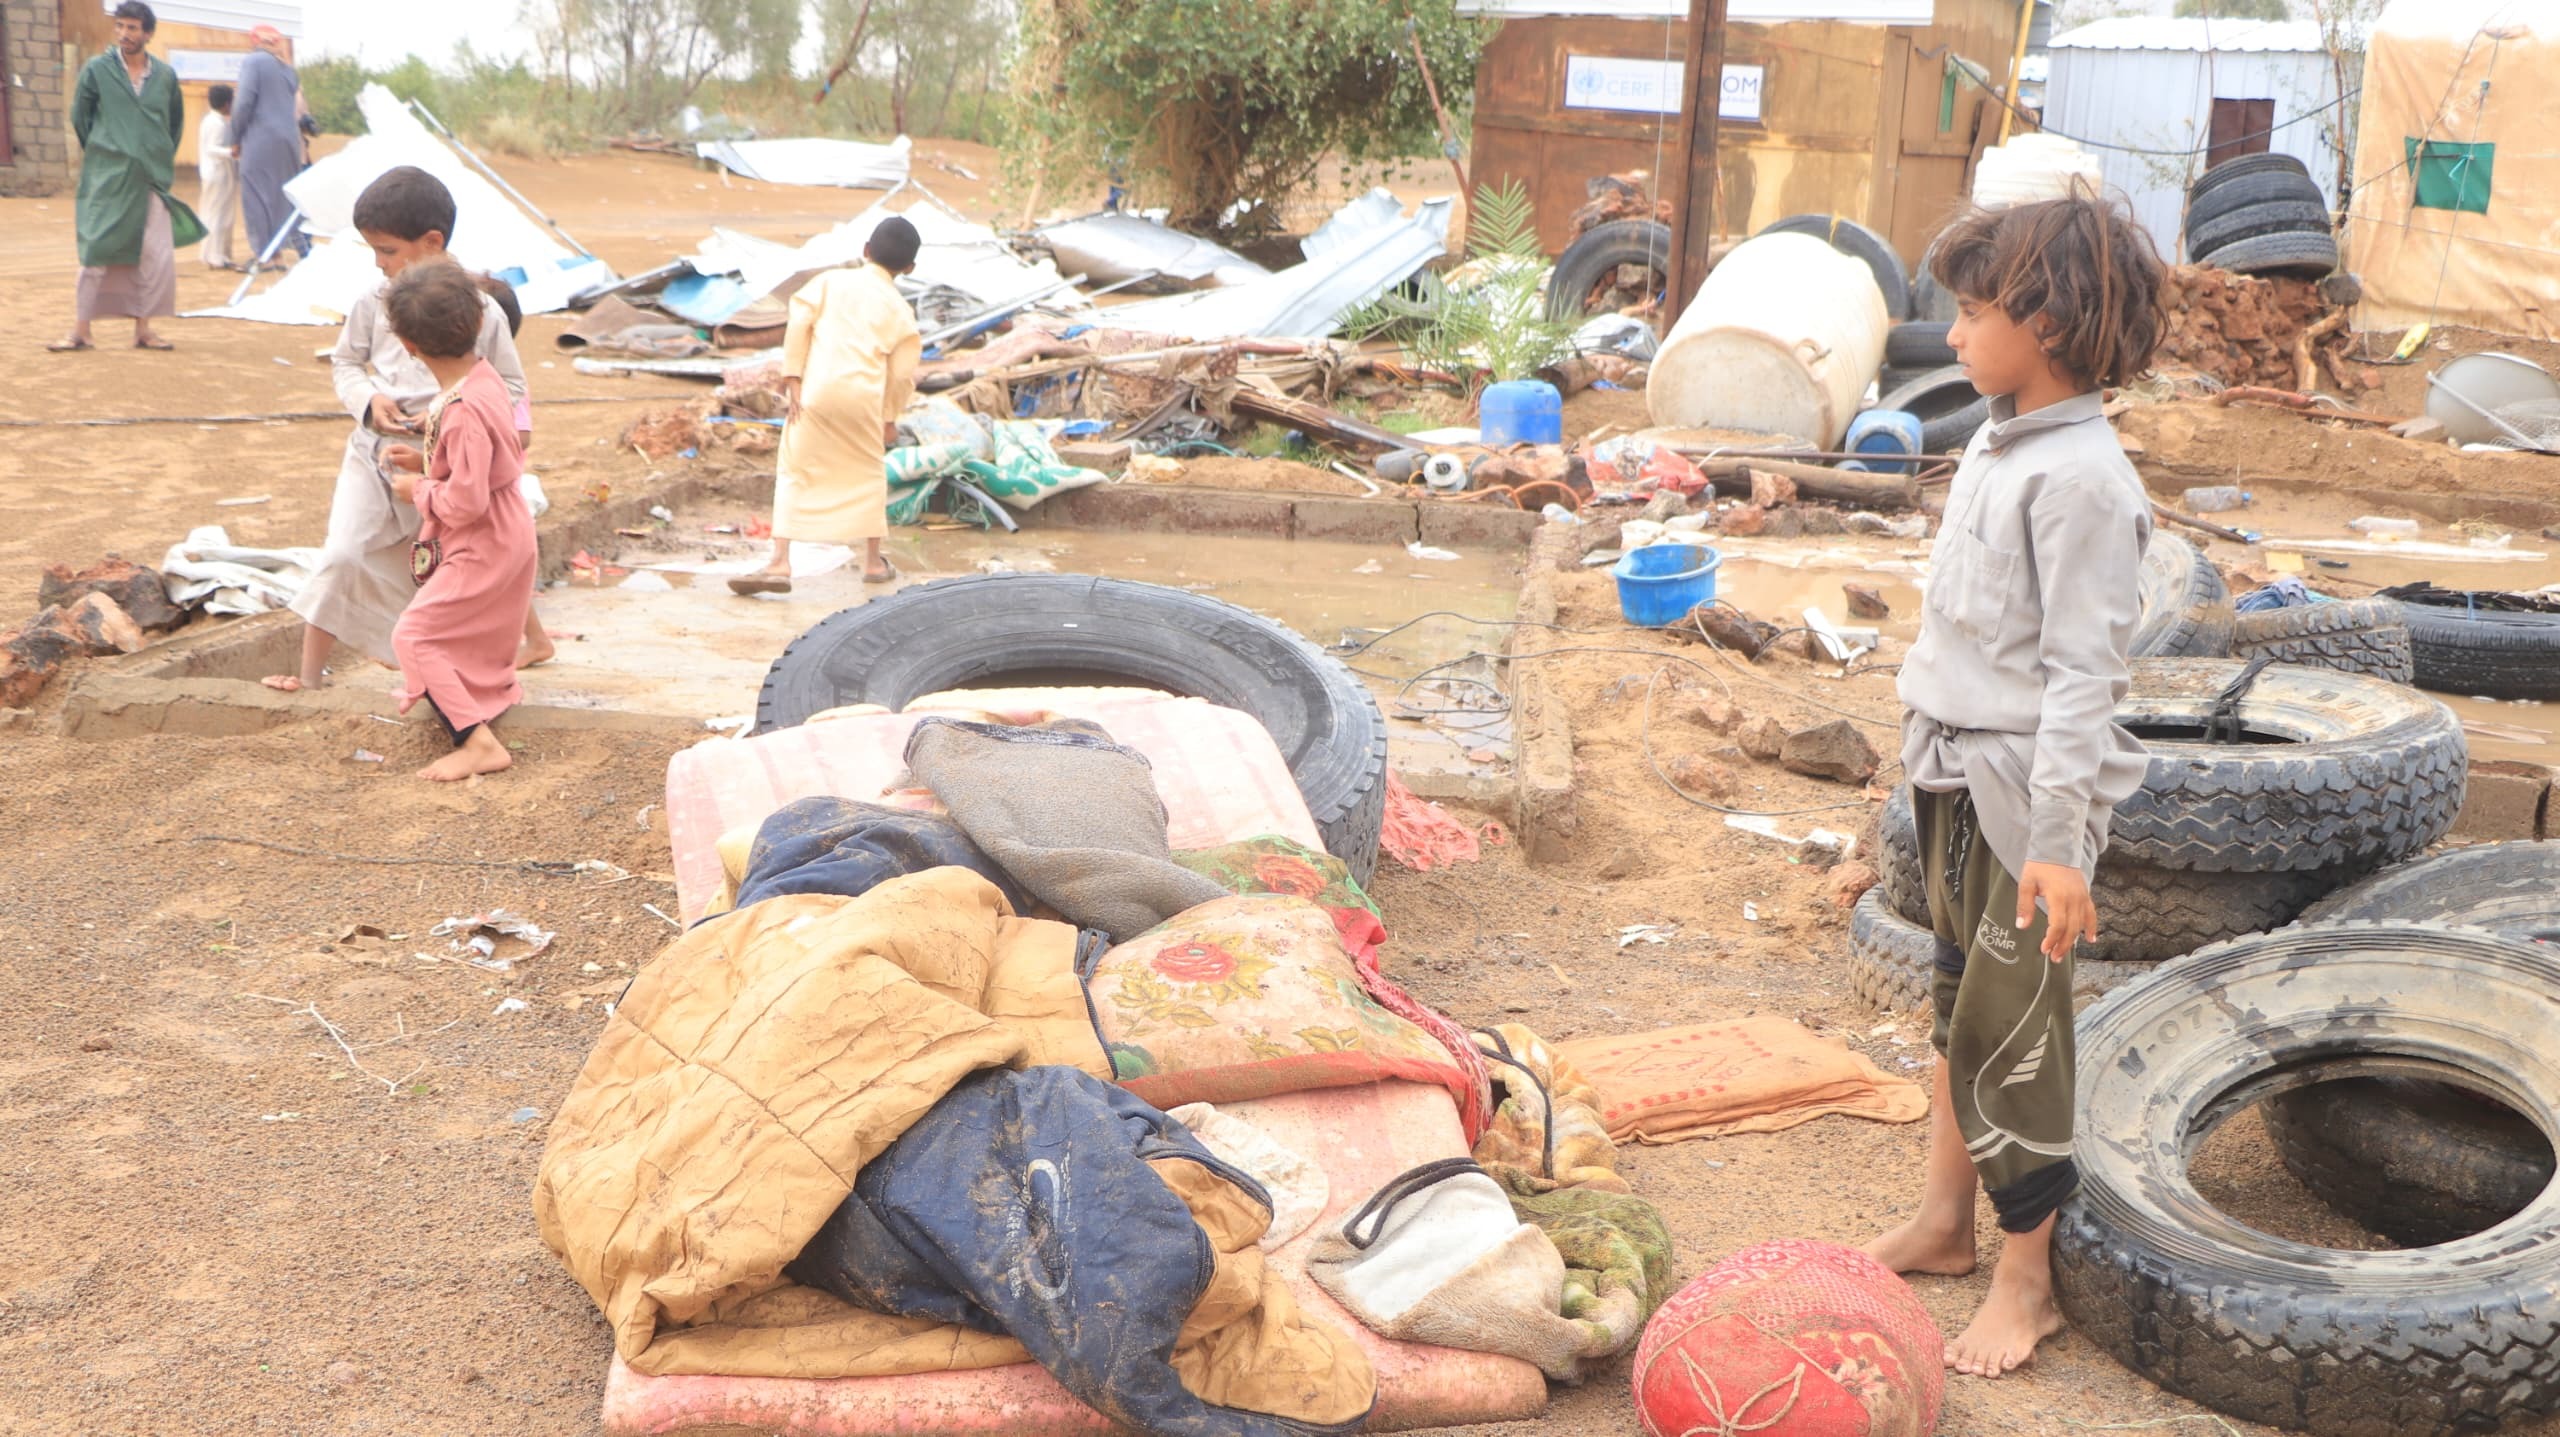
{"points": [[2456, 212]]}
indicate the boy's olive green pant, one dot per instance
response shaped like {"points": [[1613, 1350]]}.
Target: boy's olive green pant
{"points": [[2003, 1018]]}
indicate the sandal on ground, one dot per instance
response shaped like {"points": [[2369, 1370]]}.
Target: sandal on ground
{"points": [[153, 344], [752, 584], [888, 572], [68, 346]]}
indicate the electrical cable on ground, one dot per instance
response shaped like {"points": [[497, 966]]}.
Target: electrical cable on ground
{"points": [[548, 868], [282, 416]]}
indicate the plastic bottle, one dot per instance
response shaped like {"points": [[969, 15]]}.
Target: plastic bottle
{"points": [[2216, 498], [2376, 524]]}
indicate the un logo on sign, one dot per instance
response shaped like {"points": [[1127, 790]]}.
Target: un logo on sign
{"points": [[1587, 80]]}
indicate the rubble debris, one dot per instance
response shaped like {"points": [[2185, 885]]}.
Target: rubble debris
{"points": [[102, 627], [1703, 778], [2426, 429], [1714, 715], [839, 164], [1865, 602], [1770, 490], [1849, 881], [137, 590], [1113, 247], [1763, 738], [1618, 197], [662, 434], [1836, 750], [1729, 627], [2240, 329], [29, 658], [1745, 522]]}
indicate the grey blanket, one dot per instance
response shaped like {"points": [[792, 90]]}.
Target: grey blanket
{"points": [[1071, 815]]}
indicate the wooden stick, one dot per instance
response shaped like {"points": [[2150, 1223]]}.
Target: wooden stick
{"points": [[1733, 476], [1448, 137], [2306, 372], [2199, 525], [2287, 399]]}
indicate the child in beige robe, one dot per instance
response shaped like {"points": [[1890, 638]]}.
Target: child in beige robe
{"points": [[849, 367]]}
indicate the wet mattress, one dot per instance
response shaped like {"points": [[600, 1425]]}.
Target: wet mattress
{"points": [[1361, 1136], [1220, 775]]}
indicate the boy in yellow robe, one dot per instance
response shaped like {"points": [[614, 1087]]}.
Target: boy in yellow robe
{"points": [[849, 367]]}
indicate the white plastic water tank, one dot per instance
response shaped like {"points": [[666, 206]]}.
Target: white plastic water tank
{"points": [[1783, 338], [2032, 167]]}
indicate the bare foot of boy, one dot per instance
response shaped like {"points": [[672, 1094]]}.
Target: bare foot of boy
{"points": [[2019, 1313], [283, 683], [532, 655], [1926, 1244], [481, 753]]}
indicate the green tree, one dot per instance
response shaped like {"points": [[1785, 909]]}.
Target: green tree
{"points": [[1202, 104], [647, 58]]}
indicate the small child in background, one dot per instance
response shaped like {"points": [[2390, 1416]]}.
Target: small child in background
{"points": [[363, 582], [474, 560], [217, 179]]}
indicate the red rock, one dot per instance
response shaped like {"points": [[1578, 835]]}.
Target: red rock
{"points": [[1763, 738], [1715, 714], [1848, 882], [136, 590], [1865, 602], [1744, 522], [103, 627], [29, 657], [1703, 778], [1768, 491]]}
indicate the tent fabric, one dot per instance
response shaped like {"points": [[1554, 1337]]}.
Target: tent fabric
{"points": [[2445, 83], [491, 232]]}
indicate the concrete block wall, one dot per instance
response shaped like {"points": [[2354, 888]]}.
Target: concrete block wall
{"points": [[40, 157]]}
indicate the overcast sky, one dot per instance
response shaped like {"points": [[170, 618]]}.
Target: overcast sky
{"points": [[380, 32]]}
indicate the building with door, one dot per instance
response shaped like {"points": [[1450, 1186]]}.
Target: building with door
{"points": [[43, 44], [2160, 100]]}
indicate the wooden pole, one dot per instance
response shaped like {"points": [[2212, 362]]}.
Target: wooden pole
{"points": [[1693, 212], [2017, 62]]}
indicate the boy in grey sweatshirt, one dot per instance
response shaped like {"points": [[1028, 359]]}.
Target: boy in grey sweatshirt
{"points": [[2015, 763]]}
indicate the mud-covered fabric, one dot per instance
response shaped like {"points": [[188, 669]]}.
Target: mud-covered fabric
{"points": [[1547, 1127], [1249, 997], [1074, 817], [739, 1089], [2003, 1017], [1109, 1242], [844, 848]]}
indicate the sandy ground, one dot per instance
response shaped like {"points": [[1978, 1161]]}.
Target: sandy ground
{"points": [[215, 1218]]}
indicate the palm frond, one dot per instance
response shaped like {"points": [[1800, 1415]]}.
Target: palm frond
{"points": [[1504, 222]]}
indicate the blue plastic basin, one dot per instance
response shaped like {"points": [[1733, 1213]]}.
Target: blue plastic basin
{"points": [[1660, 583]]}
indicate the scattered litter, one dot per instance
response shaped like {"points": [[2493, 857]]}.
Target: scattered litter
{"points": [[510, 1005], [1767, 828], [662, 513], [641, 819], [475, 939], [279, 1117], [653, 911], [1750, 912], [736, 726], [1420, 550], [524, 1115], [1656, 933], [366, 755], [242, 503], [2377, 524], [1370, 567]]}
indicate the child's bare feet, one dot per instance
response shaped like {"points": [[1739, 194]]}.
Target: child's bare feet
{"points": [[1927, 1243], [481, 753], [532, 654], [2019, 1313], [283, 683]]}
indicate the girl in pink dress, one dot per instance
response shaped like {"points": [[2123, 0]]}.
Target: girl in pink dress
{"points": [[475, 557]]}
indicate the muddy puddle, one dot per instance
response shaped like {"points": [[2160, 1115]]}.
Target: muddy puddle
{"points": [[2309, 533], [659, 632]]}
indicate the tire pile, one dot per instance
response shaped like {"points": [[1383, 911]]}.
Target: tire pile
{"points": [[2260, 214]]}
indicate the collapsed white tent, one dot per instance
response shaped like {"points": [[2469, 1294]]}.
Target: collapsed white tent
{"points": [[845, 164], [491, 233]]}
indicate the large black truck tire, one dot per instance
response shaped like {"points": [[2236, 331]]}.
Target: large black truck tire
{"points": [[1595, 254], [2353, 636], [1947, 405], [2454, 1339], [2186, 608], [2461, 643], [2424, 1163], [2336, 772], [1893, 961], [992, 630], [2146, 914]]}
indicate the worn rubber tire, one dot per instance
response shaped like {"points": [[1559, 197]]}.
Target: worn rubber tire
{"points": [[1597, 251], [1893, 961], [2421, 1163], [1919, 344], [2457, 1339], [2487, 653], [2425, 1163], [1859, 243], [961, 632], [2186, 608], [2271, 217], [1949, 408], [1929, 299], [2351, 636], [2229, 170], [2360, 772], [2145, 914], [2302, 256], [2247, 191]]}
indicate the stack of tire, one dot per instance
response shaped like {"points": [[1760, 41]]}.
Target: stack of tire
{"points": [[2186, 613], [2260, 214], [2335, 776]]}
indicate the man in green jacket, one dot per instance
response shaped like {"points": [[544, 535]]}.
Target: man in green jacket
{"points": [[128, 114]]}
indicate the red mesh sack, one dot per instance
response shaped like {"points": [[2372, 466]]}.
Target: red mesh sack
{"points": [[1792, 1339]]}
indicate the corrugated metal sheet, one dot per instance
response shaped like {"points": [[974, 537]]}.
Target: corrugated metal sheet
{"points": [[1739, 12], [2164, 32], [285, 15], [2162, 100]]}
